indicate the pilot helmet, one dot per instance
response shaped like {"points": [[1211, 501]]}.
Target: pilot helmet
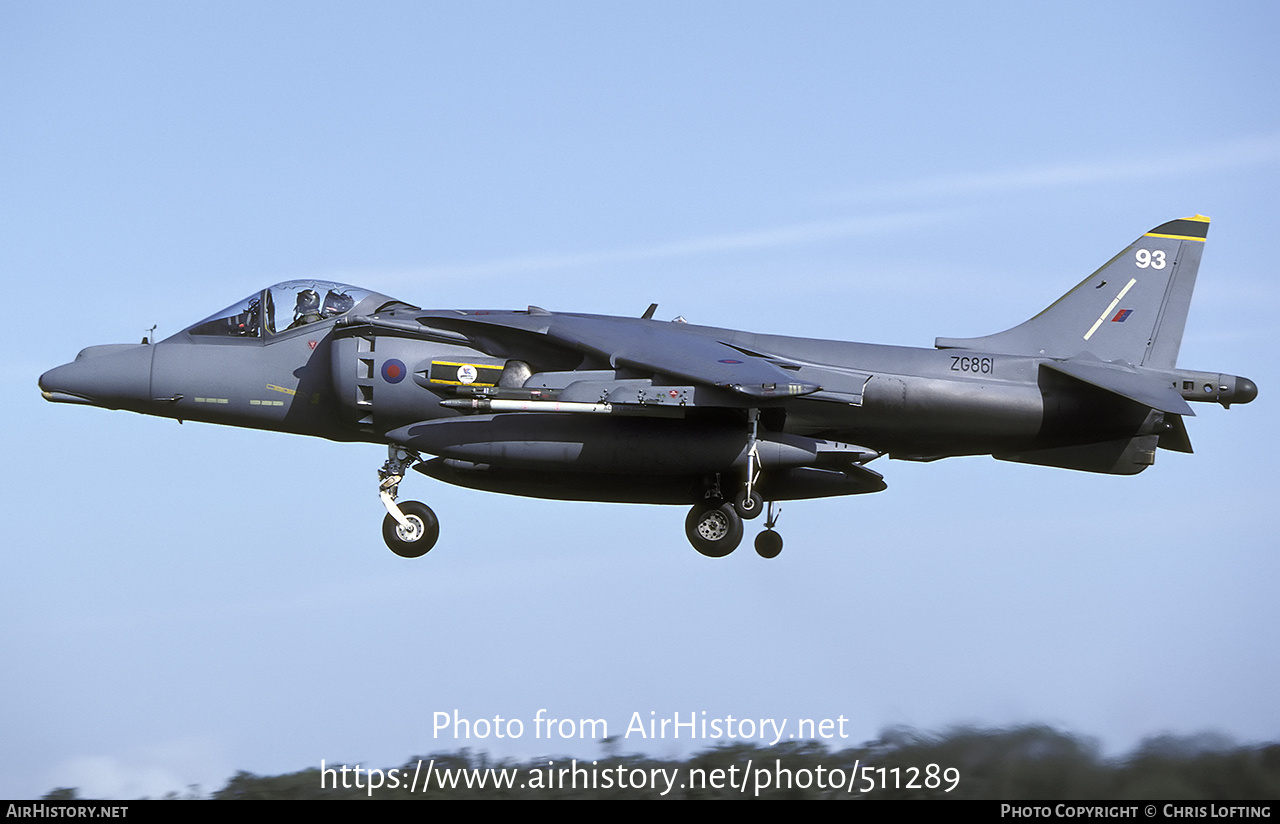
{"points": [[337, 303], [308, 301]]}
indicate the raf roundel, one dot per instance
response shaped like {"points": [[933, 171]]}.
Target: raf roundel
{"points": [[393, 370]]}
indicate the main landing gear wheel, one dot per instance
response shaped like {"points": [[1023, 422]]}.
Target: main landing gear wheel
{"points": [[714, 528], [421, 534], [747, 506]]}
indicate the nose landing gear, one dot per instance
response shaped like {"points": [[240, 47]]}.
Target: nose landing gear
{"points": [[410, 529]]}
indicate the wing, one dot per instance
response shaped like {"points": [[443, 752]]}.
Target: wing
{"points": [[671, 350]]}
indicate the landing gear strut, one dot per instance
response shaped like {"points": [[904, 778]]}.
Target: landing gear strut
{"points": [[411, 528], [748, 501], [714, 527]]}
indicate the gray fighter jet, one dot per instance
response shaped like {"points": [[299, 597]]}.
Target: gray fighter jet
{"points": [[636, 410]]}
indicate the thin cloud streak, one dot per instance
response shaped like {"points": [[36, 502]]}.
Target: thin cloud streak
{"points": [[1252, 151], [799, 234], [1241, 153]]}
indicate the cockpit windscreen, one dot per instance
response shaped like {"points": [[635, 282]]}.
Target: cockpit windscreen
{"points": [[285, 306]]}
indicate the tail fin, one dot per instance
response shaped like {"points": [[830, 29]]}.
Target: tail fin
{"points": [[1133, 309]]}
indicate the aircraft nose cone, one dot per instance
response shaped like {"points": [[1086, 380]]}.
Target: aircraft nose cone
{"points": [[116, 377], [1246, 390]]}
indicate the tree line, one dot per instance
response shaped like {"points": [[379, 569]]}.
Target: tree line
{"points": [[1021, 763]]}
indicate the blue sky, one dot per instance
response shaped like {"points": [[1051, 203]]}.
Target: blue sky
{"points": [[186, 601]]}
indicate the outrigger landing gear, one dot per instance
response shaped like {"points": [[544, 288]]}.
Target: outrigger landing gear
{"points": [[769, 543], [411, 528]]}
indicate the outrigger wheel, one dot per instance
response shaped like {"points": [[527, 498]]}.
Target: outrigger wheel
{"points": [[713, 527], [769, 543]]}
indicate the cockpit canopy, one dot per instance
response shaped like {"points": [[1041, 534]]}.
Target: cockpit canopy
{"points": [[289, 305]]}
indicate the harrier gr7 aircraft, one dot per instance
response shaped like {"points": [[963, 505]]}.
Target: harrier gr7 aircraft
{"points": [[636, 410]]}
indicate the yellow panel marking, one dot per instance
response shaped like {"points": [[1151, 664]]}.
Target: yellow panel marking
{"points": [[477, 366], [460, 383], [275, 388], [1196, 218], [1107, 311], [1175, 237]]}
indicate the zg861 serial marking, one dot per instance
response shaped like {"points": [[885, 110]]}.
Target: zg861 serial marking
{"points": [[979, 366]]}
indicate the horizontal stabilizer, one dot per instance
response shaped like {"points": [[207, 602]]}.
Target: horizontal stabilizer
{"points": [[1144, 388]]}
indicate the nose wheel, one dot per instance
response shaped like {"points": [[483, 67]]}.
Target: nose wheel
{"points": [[414, 539]]}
